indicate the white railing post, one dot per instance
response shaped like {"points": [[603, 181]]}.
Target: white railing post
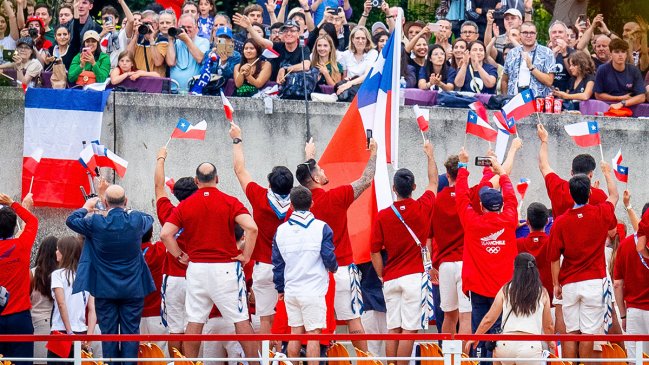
{"points": [[77, 352], [638, 352], [265, 352], [452, 350]]}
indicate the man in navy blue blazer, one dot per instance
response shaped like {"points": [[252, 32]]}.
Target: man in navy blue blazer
{"points": [[112, 267]]}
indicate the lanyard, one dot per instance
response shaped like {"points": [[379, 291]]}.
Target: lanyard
{"points": [[520, 58], [414, 236], [635, 238]]}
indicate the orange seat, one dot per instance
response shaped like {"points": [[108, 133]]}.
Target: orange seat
{"points": [[465, 356], [338, 350], [553, 356], [361, 353], [177, 355], [7, 362], [644, 355]]}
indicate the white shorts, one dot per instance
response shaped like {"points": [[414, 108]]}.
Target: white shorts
{"points": [[520, 349], [230, 349], [583, 308], [221, 284], [450, 288], [637, 323], [307, 311], [403, 302], [173, 303], [343, 299], [264, 289], [153, 326]]}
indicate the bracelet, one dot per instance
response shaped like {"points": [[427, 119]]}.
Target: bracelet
{"points": [[622, 317], [365, 15], [629, 207], [161, 158], [533, 68], [462, 164]]}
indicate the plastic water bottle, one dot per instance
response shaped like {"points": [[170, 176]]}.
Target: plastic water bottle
{"points": [[402, 95]]}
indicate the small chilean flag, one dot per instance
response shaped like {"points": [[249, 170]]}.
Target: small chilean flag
{"points": [[480, 109], [521, 106], [87, 159], [269, 53], [480, 128], [31, 162], [621, 172], [118, 164], [227, 107], [185, 130], [170, 182], [422, 117], [585, 134], [522, 186]]}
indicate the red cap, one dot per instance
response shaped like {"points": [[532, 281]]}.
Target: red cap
{"points": [[36, 19]]}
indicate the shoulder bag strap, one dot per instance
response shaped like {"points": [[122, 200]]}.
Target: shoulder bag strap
{"points": [[414, 236]]}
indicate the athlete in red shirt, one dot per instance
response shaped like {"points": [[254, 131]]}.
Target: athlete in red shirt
{"points": [[14, 276], [331, 207], [269, 208], [214, 273], [558, 189], [537, 241], [404, 272], [579, 235], [489, 241], [173, 281]]}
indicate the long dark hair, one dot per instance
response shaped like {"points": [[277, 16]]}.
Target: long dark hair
{"points": [[331, 31], [259, 51], [45, 264], [453, 62], [524, 291], [429, 65], [70, 249]]}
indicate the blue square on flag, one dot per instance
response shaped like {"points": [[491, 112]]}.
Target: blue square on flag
{"points": [[592, 127]]}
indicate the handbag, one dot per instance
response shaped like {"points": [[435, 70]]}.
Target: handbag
{"points": [[454, 99], [213, 87], [294, 84], [59, 78], [86, 78]]}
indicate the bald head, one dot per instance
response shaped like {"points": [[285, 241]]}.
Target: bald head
{"points": [[115, 196], [206, 173]]}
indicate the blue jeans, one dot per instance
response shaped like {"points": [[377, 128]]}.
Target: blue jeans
{"points": [[480, 305], [119, 316], [17, 324]]}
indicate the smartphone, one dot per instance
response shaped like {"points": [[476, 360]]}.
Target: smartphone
{"points": [[368, 133], [86, 50], [8, 55], [434, 27], [482, 161]]}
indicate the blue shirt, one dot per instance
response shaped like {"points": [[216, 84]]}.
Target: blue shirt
{"points": [[611, 81], [542, 58], [205, 26], [225, 70], [186, 66], [475, 86]]}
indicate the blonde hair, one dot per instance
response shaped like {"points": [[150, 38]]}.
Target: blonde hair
{"points": [[315, 57], [368, 46]]}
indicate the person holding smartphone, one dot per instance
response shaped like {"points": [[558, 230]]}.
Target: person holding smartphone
{"points": [[28, 68], [7, 20], [91, 65]]}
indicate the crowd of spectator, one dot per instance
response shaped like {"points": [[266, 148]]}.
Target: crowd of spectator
{"points": [[478, 49]]}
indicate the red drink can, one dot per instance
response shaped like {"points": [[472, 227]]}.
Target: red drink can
{"points": [[540, 102], [558, 104], [549, 103]]}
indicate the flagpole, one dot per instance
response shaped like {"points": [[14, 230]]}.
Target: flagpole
{"points": [[464, 140], [7, 76], [31, 184], [423, 136], [601, 151], [167, 144], [252, 64]]}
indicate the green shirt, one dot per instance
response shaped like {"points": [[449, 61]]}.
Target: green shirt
{"points": [[101, 69], [49, 35]]}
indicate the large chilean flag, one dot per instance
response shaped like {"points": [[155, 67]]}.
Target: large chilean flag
{"points": [[58, 121], [375, 107]]}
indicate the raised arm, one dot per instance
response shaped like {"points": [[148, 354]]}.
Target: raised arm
{"points": [[365, 180], [433, 177], [544, 165], [13, 23], [367, 7], [129, 18], [159, 174], [508, 164], [30, 230], [633, 217], [613, 195], [244, 22], [239, 162], [250, 228]]}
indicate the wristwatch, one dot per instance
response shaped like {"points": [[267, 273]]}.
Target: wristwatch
{"points": [[623, 102], [236, 140]]}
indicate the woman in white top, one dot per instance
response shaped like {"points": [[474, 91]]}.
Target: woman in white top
{"points": [[41, 295], [8, 29], [358, 58], [69, 314], [525, 308]]}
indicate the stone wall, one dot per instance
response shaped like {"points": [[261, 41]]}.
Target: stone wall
{"points": [[136, 125]]}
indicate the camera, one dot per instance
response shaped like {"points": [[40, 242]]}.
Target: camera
{"points": [[33, 32], [175, 31], [377, 3], [145, 29], [108, 20]]}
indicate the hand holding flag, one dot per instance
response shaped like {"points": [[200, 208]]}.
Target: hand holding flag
{"points": [[269, 53], [522, 186]]}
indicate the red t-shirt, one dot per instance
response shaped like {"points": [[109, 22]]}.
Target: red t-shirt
{"points": [[560, 198], [207, 219], [446, 228], [629, 267], [331, 207], [171, 267], [266, 219], [643, 227], [280, 322], [154, 255], [536, 244], [14, 263], [580, 235], [404, 256], [489, 239]]}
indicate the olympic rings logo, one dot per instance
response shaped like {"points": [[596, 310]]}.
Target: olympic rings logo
{"points": [[493, 249]]}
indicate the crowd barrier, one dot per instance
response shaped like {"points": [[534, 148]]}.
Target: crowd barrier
{"points": [[450, 353]]}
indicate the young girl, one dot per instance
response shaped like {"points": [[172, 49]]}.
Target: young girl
{"points": [[69, 315], [205, 18], [252, 73], [126, 69], [324, 59]]}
